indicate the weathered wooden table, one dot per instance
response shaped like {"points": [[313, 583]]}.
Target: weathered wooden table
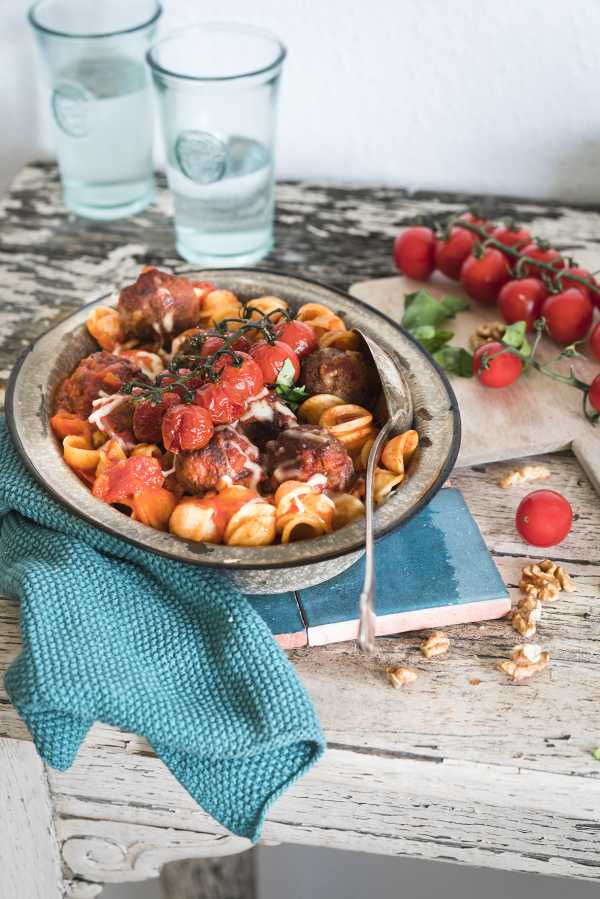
{"points": [[463, 766]]}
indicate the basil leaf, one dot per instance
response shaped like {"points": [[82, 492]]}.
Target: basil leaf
{"points": [[292, 396], [421, 309], [432, 339], [455, 360], [286, 375], [514, 336]]}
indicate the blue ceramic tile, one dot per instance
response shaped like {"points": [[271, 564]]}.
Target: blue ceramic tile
{"points": [[437, 559], [280, 611]]}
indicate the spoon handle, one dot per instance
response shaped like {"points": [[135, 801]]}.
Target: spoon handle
{"points": [[366, 629]]}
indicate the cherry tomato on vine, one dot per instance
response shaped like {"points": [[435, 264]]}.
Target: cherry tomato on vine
{"points": [[544, 518], [300, 336], [270, 358], [501, 371], [564, 282], [594, 393], [452, 252], [511, 236], [483, 276], [239, 380], [521, 300], [147, 417], [477, 220], [595, 340], [568, 315], [214, 342], [222, 408], [414, 252], [186, 427], [541, 254]]}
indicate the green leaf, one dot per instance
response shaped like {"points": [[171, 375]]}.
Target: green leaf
{"points": [[595, 753], [421, 309], [286, 375], [514, 336], [455, 360], [292, 396], [431, 338]]}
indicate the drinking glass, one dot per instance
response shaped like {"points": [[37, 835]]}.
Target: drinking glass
{"points": [[217, 86], [101, 100]]}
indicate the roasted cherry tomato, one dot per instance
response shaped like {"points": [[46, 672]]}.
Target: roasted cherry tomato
{"points": [[594, 392], [186, 427], [544, 518], [271, 356], [126, 478], [483, 277], [513, 237], [300, 336], [542, 254], [414, 252], [451, 253], [568, 315], [564, 281], [240, 376], [521, 300], [147, 417], [595, 340], [501, 371], [215, 399]]}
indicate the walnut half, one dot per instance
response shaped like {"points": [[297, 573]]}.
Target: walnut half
{"points": [[545, 581], [436, 644], [400, 676], [487, 333], [526, 616], [526, 659]]}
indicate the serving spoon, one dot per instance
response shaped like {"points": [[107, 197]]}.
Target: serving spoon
{"points": [[398, 401]]}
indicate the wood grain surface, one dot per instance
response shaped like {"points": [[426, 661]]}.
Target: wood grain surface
{"points": [[463, 765]]}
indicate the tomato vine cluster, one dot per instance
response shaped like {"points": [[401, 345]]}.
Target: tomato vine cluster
{"points": [[529, 280]]}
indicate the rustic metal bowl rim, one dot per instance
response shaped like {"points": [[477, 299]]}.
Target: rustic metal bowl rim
{"points": [[313, 554]]}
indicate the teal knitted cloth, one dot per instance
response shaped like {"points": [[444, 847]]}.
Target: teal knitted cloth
{"points": [[165, 649]]}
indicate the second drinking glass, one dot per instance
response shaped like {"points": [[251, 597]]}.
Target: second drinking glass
{"points": [[217, 87]]}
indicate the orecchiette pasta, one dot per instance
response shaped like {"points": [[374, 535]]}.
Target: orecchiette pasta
{"points": [[104, 324], [109, 453], [398, 451], [218, 305], [351, 424], [384, 482], [341, 340], [313, 408], [300, 509], [347, 508], [321, 318], [153, 506], [252, 525], [147, 449], [267, 305], [196, 519], [79, 454]]}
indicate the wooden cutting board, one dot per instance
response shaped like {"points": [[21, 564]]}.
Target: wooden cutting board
{"points": [[535, 415]]}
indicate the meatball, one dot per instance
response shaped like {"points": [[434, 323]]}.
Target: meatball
{"points": [[265, 417], [341, 372], [229, 458], [100, 373], [158, 304], [301, 452]]}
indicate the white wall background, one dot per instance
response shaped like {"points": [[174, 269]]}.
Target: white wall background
{"points": [[477, 95]]}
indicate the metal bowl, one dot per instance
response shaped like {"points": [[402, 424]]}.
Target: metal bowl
{"points": [[264, 569]]}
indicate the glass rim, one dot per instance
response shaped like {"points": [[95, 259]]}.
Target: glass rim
{"points": [[31, 15], [213, 26]]}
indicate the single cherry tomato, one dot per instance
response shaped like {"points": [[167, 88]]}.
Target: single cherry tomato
{"points": [[594, 393], [501, 371], [186, 427], [595, 340], [300, 336], [147, 417], [126, 478], [483, 277], [414, 251], [565, 281], [215, 399], [568, 315], [271, 356], [240, 376], [451, 253], [544, 518], [541, 254], [521, 300], [477, 220], [513, 237]]}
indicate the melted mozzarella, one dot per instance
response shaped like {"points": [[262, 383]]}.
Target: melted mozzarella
{"points": [[103, 406]]}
